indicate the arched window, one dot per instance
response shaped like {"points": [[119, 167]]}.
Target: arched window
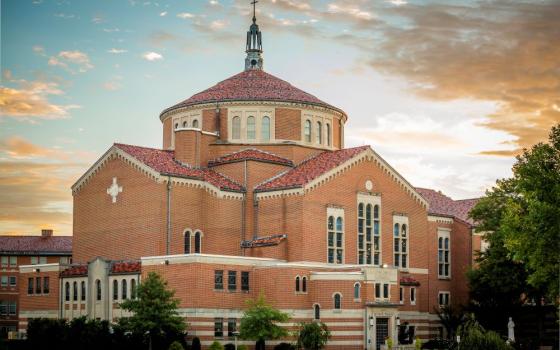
{"points": [[319, 135], [98, 289], [236, 128], [124, 289], [404, 245], [376, 236], [316, 312], [357, 290], [251, 135], [304, 284], [337, 301], [307, 131], [197, 242], [187, 242], [115, 289], [133, 289], [339, 240], [67, 291], [195, 123], [335, 240], [83, 290], [185, 124], [328, 134], [176, 126], [265, 129], [400, 246], [75, 291], [297, 283]]}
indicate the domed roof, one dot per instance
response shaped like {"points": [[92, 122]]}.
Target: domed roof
{"points": [[252, 85]]}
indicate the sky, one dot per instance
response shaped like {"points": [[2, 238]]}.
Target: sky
{"points": [[447, 92]]}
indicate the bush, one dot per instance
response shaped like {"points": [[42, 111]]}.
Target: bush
{"points": [[313, 335], [216, 346], [478, 339], [195, 344], [229, 346], [242, 347], [176, 346], [284, 346]]}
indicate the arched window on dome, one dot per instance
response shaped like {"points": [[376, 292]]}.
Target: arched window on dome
{"points": [[328, 134], [236, 128], [319, 134], [307, 131], [265, 129], [197, 242], [187, 242], [176, 126], [185, 124], [251, 135], [195, 123]]}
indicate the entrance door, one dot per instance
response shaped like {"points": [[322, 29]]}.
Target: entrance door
{"points": [[381, 331]]}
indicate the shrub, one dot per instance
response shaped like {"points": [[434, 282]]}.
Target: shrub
{"points": [[176, 346], [478, 339], [284, 346], [242, 347], [229, 346], [195, 344], [313, 335], [216, 346]]}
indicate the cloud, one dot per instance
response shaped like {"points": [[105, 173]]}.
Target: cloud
{"points": [[30, 100], [163, 14], [71, 60], [218, 24], [65, 15], [97, 19], [152, 56], [116, 51], [113, 84], [185, 15], [111, 30], [350, 10], [39, 50]]}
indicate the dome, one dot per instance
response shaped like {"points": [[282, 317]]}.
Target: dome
{"points": [[252, 85]]}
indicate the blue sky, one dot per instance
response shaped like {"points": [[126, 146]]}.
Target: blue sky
{"points": [[446, 92]]}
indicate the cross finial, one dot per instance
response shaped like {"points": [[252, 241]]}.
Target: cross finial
{"points": [[114, 190], [254, 3]]}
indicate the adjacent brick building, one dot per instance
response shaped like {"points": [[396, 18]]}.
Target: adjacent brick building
{"points": [[253, 192]]}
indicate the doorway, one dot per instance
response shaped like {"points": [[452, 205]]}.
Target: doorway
{"points": [[381, 331]]}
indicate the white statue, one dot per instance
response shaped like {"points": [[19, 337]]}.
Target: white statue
{"points": [[511, 326]]}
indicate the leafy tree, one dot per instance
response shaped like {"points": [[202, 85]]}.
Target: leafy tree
{"points": [[451, 318], [259, 322], [216, 346], [46, 333], [154, 312], [313, 335], [176, 346]]}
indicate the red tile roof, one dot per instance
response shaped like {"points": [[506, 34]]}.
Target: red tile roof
{"points": [[252, 85], [264, 241], [36, 245], [409, 281], [124, 267], [310, 169], [75, 270], [441, 204], [164, 162], [251, 154]]}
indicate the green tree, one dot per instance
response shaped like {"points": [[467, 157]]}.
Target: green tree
{"points": [[524, 213], [313, 335], [259, 321], [154, 312], [451, 318]]}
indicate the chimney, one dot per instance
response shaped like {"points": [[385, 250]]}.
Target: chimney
{"points": [[46, 233]]}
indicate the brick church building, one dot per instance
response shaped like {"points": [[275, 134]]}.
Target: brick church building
{"points": [[254, 192]]}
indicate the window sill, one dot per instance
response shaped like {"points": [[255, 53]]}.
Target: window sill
{"points": [[337, 311], [444, 278], [412, 303], [358, 300]]}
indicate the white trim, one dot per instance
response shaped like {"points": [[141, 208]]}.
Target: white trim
{"points": [[444, 234], [280, 193], [42, 267], [440, 219], [336, 213], [337, 276]]}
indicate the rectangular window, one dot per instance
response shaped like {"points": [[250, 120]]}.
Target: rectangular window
{"points": [[385, 291], [38, 285], [42, 260], [400, 241], [45, 285], [444, 259], [443, 299], [335, 235], [401, 295], [4, 281], [34, 260], [13, 261], [231, 327], [3, 308], [13, 281], [64, 260], [369, 250], [245, 281], [12, 308], [4, 261], [232, 280], [378, 290], [218, 327], [412, 296], [219, 279], [30, 285]]}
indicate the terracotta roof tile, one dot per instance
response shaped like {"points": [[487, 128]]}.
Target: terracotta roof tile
{"points": [[441, 204], [252, 85], [251, 154], [164, 162], [75, 270], [310, 169], [31, 245], [118, 267], [409, 281], [264, 241]]}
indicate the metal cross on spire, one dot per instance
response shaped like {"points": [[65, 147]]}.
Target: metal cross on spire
{"points": [[254, 3]]}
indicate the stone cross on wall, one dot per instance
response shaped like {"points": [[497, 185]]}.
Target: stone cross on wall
{"points": [[114, 190]]}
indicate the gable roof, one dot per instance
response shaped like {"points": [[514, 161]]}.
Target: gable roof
{"points": [[36, 245], [441, 204], [310, 169], [250, 154], [252, 85]]}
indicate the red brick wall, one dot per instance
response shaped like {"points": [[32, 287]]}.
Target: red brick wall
{"points": [[288, 124], [187, 146], [167, 132]]}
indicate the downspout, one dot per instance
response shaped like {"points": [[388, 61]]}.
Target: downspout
{"points": [[218, 121], [168, 240], [255, 216], [243, 218]]}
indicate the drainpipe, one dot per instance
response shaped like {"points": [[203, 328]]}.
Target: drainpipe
{"points": [[243, 218], [255, 216], [218, 121], [168, 241]]}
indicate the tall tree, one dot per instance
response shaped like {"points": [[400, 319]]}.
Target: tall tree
{"points": [[259, 322], [154, 311], [313, 335]]}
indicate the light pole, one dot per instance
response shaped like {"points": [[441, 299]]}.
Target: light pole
{"points": [[235, 335]]}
